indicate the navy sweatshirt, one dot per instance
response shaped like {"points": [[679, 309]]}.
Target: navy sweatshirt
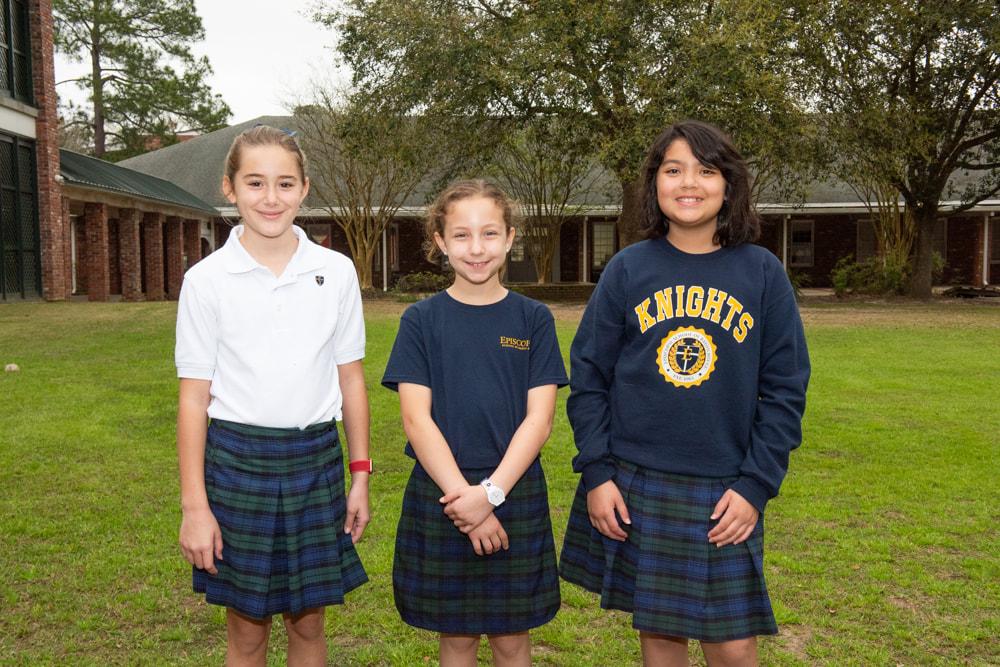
{"points": [[690, 364]]}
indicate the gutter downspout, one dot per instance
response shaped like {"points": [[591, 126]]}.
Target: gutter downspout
{"points": [[784, 240]]}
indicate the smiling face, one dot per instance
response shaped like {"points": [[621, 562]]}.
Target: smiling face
{"points": [[476, 240], [268, 189], [689, 193]]}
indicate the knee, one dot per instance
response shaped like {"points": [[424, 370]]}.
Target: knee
{"points": [[306, 627], [511, 647], [460, 643], [247, 637], [735, 653]]}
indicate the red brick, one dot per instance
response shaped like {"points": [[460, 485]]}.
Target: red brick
{"points": [[173, 246], [129, 257], [152, 255], [95, 222]]}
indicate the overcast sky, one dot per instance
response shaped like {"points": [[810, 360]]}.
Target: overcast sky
{"points": [[264, 53]]}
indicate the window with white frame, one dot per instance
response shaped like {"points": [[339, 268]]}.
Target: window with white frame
{"points": [[800, 242]]}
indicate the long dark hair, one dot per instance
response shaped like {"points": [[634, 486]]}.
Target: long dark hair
{"points": [[738, 222]]}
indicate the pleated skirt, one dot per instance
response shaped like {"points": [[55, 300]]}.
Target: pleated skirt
{"points": [[667, 574], [278, 495], [439, 582]]}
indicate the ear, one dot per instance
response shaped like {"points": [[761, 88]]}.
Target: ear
{"points": [[511, 233], [440, 244], [305, 190], [227, 190]]}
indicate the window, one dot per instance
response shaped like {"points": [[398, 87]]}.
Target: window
{"points": [[604, 244], [20, 269], [800, 243], [15, 50]]}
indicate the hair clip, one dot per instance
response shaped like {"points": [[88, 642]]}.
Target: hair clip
{"points": [[290, 133]]}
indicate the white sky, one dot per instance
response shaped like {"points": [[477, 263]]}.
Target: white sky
{"points": [[264, 54]]}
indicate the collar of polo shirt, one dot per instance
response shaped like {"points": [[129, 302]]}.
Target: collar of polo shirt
{"points": [[307, 256]]}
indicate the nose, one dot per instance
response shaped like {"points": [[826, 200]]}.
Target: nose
{"points": [[271, 194], [687, 178], [477, 245]]}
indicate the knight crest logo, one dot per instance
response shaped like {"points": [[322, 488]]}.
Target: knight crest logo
{"points": [[686, 357], [320, 280]]}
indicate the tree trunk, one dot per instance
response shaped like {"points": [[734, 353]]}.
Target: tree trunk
{"points": [[97, 90], [363, 264], [923, 261], [628, 221]]}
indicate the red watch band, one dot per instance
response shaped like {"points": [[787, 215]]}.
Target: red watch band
{"points": [[362, 465]]}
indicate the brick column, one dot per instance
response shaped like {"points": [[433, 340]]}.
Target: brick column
{"points": [[152, 259], [67, 255], [192, 242], [95, 222], [53, 227], [129, 256], [173, 245]]}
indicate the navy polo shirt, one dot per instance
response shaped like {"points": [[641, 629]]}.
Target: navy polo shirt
{"points": [[479, 362]]}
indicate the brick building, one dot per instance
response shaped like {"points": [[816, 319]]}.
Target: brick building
{"points": [[809, 237], [70, 224]]}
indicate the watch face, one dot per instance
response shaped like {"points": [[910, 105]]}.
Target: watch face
{"points": [[494, 495]]}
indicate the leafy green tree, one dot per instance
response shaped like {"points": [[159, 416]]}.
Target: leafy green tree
{"points": [[144, 83], [620, 70], [918, 85]]}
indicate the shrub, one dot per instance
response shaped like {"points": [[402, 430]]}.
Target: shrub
{"points": [[423, 281]]}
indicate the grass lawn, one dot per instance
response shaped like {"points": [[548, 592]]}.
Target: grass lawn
{"points": [[881, 550]]}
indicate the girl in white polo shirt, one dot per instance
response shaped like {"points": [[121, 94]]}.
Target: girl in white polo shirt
{"points": [[270, 339]]}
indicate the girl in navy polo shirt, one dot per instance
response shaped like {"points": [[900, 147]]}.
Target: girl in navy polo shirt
{"points": [[689, 373], [477, 368], [270, 338]]}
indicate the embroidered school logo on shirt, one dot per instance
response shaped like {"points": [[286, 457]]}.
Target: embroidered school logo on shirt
{"points": [[320, 280], [515, 343], [686, 357]]}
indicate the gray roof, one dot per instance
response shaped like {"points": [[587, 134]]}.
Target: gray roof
{"points": [[95, 174], [196, 166]]}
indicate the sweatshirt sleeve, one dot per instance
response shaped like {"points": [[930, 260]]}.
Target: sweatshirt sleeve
{"points": [[593, 356], [781, 399]]}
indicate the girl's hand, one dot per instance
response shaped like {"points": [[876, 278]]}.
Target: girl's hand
{"points": [[602, 503], [201, 539], [738, 519], [489, 536], [467, 507], [358, 514]]}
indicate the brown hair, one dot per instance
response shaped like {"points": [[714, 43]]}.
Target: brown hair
{"points": [[457, 191], [738, 222], [263, 135]]}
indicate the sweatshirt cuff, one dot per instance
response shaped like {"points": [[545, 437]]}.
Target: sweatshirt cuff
{"points": [[753, 491], [597, 473]]}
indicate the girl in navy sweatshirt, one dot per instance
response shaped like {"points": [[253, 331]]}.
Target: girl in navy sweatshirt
{"points": [[688, 384]]}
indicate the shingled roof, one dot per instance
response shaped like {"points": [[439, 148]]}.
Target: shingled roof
{"points": [[94, 174]]}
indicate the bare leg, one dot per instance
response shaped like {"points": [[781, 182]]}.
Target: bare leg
{"points": [[306, 639], [458, 650], [735, 653], [511, 650], [246, 640], [663, 650]]}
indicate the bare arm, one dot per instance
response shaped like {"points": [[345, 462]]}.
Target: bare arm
{"points": [[356, 429], [468, 506], [426, 438], [200, 537]]}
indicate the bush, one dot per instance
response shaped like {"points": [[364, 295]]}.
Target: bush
{"points": [[423, 281], [873, 276]]}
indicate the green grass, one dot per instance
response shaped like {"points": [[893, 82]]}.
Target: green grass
{"points": [[881, 550]]}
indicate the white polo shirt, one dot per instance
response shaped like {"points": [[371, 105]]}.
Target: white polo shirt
{"points": [[270, 345]]}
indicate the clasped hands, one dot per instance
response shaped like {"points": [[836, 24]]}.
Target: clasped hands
{"points": [[471, 512]]}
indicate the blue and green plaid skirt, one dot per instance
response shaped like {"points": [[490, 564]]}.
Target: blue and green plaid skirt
{"points": [[440, 583], [667, 574], [278, 495]]}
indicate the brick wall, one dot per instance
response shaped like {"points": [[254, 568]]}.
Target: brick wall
{"points": [[192, 243], [152, 256], [963, 250], [173, 247], [53, 226], [129, 254], [114, 265], [96, 262], [570, 251]]}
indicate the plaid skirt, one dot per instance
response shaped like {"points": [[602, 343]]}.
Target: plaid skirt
{"points": [[278, 495], [667, 574], [440, 583]]}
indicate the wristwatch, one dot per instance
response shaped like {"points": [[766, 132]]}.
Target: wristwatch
{"points": [[494, 493]]}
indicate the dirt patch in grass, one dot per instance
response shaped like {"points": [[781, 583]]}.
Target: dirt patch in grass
{"points": [[793, 638], [903, 313]]}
